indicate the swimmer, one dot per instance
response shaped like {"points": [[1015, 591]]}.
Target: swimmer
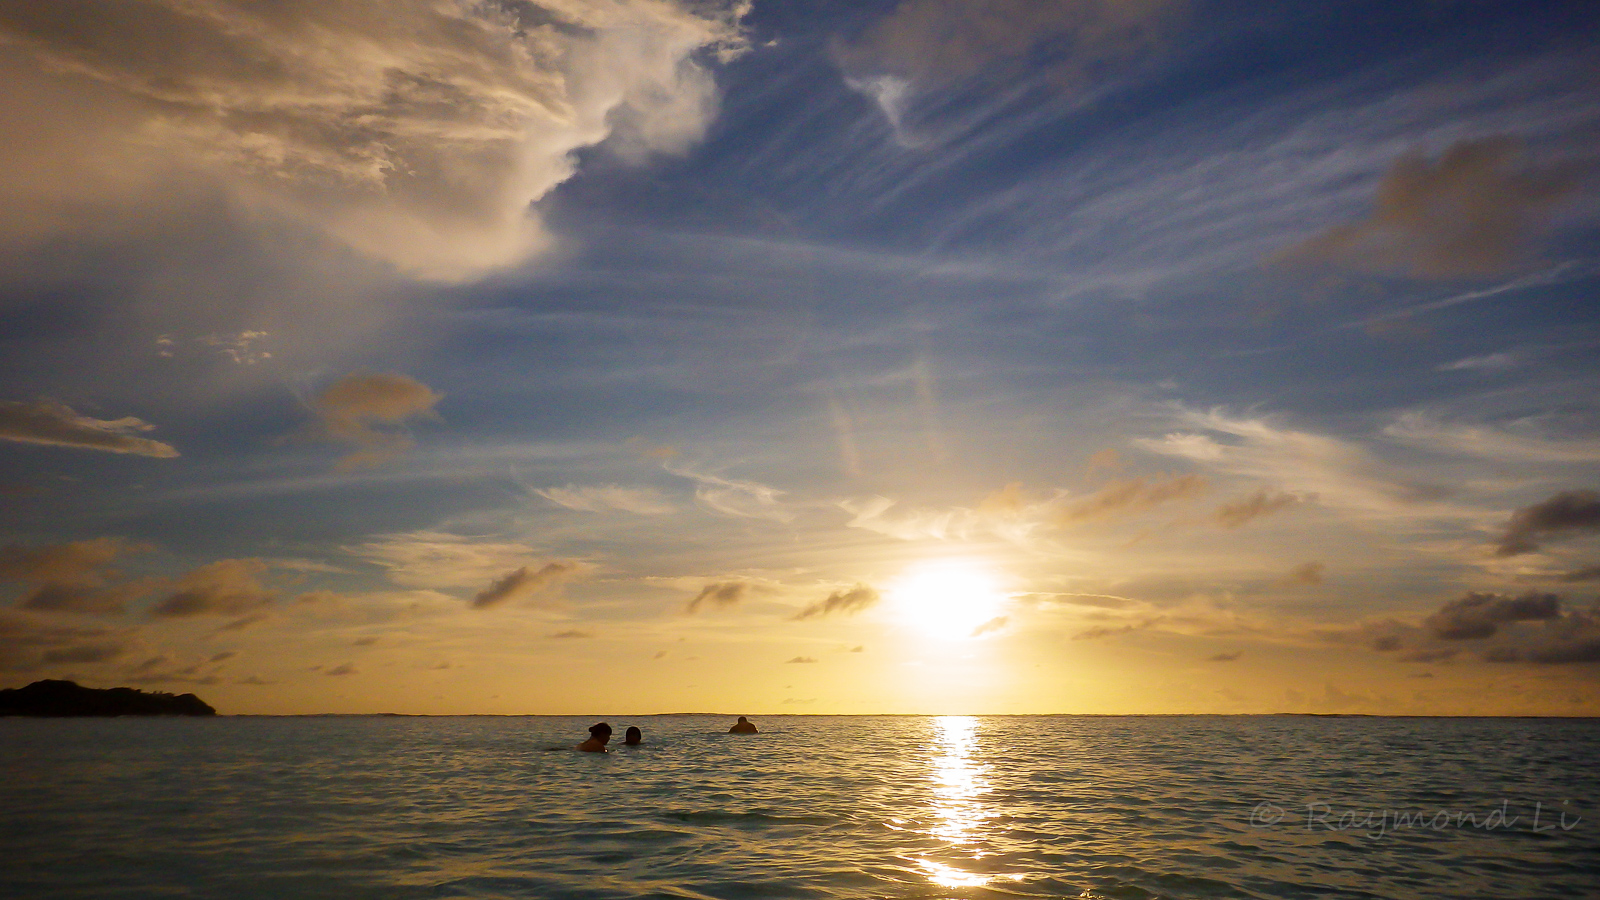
{"points": [[743, 726], [599, 734], [633, 737]]}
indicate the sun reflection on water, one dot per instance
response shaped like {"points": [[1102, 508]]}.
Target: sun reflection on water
{"points": [[959, 782]]}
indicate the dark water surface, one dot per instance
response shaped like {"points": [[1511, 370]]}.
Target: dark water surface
{"points": [[813, 807]]}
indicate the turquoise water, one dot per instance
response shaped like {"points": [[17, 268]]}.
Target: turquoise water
{"points": [[813, 807]]}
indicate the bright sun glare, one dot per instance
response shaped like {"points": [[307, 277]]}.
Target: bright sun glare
{"points": [[948, 599]]}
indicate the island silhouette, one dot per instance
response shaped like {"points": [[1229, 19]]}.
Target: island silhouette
{"points": [[67, 698]]}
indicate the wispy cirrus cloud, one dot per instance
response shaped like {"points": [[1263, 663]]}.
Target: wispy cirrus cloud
{"points": [[608, 497]]}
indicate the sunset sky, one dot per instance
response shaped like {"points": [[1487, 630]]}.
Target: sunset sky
{"points": [[940, 356]]}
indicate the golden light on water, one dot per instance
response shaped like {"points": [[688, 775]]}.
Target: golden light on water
{"points": [[959, 782], [949, 599]]}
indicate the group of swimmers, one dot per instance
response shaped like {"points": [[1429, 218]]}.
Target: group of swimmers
{"points": [[600, 735]]}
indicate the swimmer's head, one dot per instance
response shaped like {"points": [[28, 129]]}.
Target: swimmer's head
{"points": [[633, 735], [743, 719], [600, 730]]}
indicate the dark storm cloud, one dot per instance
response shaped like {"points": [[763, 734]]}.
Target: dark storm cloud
{"points": [[1470, 212], [1564, 512], [849, 602], [527, 584], [55, 424], [1477, 616], [718, 595], [227, 587]]}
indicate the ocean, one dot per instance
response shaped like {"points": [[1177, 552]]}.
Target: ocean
{"points": [[812, 807]]}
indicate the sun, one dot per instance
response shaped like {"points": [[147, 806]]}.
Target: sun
{"points": [[949, 599]]}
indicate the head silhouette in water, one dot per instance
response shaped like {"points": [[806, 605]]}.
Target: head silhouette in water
{"points": [[743, 726], [633, 737], [599, 734]]}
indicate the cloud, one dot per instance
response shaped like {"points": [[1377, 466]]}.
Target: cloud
{"points": [[570, 634], [1469, 213], [718, 595], [1564, 512], [367, 408], [848, 602], [415, 132], [742, 499], [55, 424], [1334, 471], [1423, 431], [929, 42], [1305, 573], [1587, 573], [227, 587], [527, 583], [26, 639], [433, 559], [801, 659], [72, 577], [990, 626], [343, 669], [1477, 616], [1262, 503], [604, 497], [1132, 496], [86, 653], [1528, 628], [1225, 657]]}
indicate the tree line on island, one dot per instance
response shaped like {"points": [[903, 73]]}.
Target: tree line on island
{"points": [[67, 698]]}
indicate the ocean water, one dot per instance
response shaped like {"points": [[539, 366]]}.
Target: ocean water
{"points": [[813, 807]]}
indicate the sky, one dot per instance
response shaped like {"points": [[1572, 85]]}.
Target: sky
{"points": [[803, 356]]}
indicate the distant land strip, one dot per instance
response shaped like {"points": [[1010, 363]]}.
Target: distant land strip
{"points": [[66, 698]]}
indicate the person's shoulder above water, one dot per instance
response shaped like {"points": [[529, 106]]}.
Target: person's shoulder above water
{"points": [[743, 726], [599, 734]]}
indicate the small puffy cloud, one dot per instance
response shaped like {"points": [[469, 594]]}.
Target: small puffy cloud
{"points": [[55, 424], [801, 659], [1567, 511], [607, 497], [718, 595], [367, 409], [1470, 212], [848, 602], [990, 626], [343, 669], [1261, 503], [1477, 616], [527, 584], [227, 587], [570, 634], [1225, 657]]}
